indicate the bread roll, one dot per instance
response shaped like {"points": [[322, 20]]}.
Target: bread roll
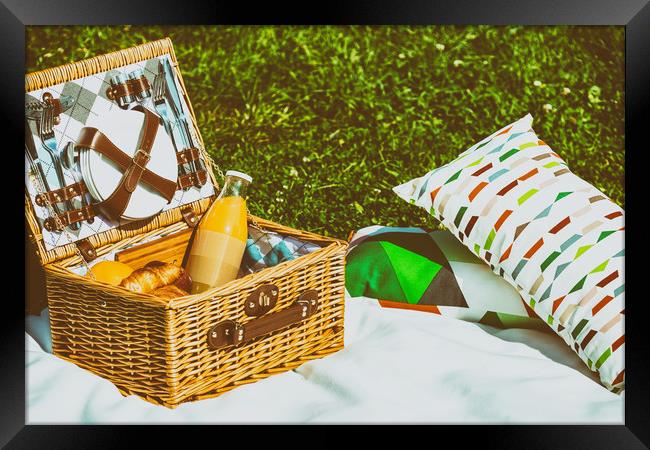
{"points": [[184, 281]]}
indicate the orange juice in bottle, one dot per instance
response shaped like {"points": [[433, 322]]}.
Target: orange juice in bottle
{"points": [[220, 238]]}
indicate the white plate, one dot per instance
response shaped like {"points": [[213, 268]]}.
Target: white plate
{"points": [[103, 175], [85, 173]]}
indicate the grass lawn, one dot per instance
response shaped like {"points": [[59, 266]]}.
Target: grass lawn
{"points": [[328, 119]]}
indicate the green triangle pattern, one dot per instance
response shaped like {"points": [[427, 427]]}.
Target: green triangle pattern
{"points": [[601, 267], [547, 262], [527, 144], [561, 195], [369, 272], [483, 144], [490, 238], [581, 250], [579, 285], [508, 154], [475, 163], [413, 282], [604, 234], [454, 176], [603, 358], [459, 216]]}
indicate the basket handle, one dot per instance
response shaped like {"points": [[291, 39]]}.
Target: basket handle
{"points": [[230, 333]]}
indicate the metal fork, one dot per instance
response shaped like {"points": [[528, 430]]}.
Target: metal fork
{"points": [[160, 104], [175, 104], [45, 126]]}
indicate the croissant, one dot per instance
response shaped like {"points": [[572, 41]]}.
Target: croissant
{"points": [[184, 281], [169, 292], [155, 275]]}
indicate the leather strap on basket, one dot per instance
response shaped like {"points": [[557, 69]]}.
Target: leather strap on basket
{"points": [[66, 218], [76, 189], [93, 138], [134, 171], [116, 203], [61, 195], [130, 87], [188, 155], [229, 333], [88, 212]]}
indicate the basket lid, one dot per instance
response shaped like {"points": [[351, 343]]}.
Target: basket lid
{"points": [[109, 86]]}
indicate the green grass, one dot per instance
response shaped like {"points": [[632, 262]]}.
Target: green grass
{"points": [[328, 119]]}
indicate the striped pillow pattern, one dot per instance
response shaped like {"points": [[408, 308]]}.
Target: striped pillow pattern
{"points": [[514, 203]]}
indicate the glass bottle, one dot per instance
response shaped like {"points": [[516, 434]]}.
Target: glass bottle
{"points": [[220, 238]]}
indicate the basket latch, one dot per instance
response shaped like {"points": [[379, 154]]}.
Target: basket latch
{"points": [[261, 300], [189, 216], [230, 333], [86, 249]]}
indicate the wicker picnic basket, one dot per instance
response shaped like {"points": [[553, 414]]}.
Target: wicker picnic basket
{"points": [[198, 346]]}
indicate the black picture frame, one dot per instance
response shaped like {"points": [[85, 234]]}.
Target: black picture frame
{"points": [[633, 14]]}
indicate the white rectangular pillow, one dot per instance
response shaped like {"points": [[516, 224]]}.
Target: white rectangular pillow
{"points": [[560, 241]]}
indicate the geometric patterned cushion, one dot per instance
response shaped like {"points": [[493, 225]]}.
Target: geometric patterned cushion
{"points": [[409, 268], [560, 241]]}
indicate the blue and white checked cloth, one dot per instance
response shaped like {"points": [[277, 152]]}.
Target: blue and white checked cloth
{"points": [[266, 249]]}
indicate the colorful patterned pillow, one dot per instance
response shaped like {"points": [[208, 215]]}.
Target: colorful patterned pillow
{"points": [[412, 269], [560, 241]]}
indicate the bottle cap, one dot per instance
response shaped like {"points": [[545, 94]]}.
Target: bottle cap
{"points": [[241, 175]]}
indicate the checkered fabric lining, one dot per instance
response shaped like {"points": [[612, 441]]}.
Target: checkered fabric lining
{"points": [[267, 249], [89, 94]]}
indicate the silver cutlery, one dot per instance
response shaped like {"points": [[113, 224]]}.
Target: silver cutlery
{"points": [[174, 100], [160, 105], [32, 156], [45, 126], [71, 163]]}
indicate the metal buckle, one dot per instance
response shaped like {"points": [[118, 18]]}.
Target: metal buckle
{"points": [[144, 154]]}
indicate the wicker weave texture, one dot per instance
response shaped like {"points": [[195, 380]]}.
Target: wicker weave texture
{"points": [[158, 349]]}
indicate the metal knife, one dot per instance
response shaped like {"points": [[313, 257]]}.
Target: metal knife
{"points": [[176, 104]]}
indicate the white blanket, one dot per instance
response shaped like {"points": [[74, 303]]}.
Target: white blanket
{"points": [[397, 366]]}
